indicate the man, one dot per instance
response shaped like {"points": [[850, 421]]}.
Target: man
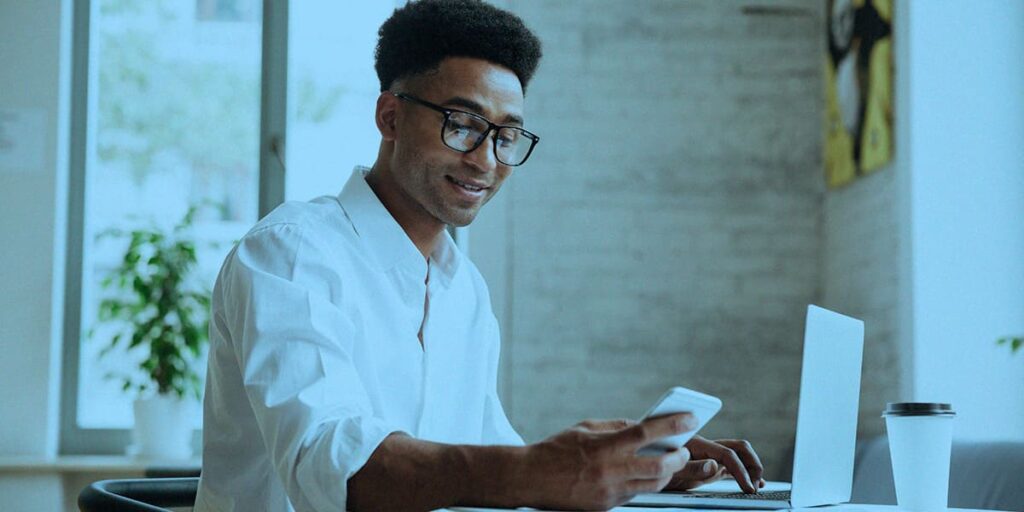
{"points": [[354, 353]]}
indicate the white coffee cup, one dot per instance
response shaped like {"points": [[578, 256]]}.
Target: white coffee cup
{"points": [[920, 440]]}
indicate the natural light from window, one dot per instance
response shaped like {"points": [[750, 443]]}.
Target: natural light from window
{"points": [[332, 93], [174, 121], [174, 104]]}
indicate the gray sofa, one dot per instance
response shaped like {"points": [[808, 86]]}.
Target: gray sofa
{"points": [[982, 475]]}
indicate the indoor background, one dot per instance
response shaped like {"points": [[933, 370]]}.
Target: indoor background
{"points": [[670, 229]]}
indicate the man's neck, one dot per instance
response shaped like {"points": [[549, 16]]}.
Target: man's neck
{"points": [[422, 228]]}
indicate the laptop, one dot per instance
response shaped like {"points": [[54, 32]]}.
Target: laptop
{"points": [[826, 426]]}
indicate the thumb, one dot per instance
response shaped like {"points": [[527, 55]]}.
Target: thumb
{"points": [[696, 473]]}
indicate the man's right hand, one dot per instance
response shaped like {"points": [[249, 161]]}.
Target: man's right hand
{"points": [[595, 466]]}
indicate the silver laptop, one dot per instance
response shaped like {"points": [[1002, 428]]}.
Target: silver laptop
{"points": [[826, 425]]}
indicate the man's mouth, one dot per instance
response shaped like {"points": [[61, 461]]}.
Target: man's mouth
{"points": [[470, 186]]}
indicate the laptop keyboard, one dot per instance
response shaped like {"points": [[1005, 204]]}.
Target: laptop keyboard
{"points": [[769, 496]]}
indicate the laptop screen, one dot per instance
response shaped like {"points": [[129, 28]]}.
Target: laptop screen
{"points": [[826, 425]]}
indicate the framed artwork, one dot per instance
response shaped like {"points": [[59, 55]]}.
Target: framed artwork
{"points": [[859, 84]]}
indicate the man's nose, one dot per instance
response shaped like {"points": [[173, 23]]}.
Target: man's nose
{"points": [[483, 156]]}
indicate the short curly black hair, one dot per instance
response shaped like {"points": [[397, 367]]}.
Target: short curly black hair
{"points": [[418, 36]]}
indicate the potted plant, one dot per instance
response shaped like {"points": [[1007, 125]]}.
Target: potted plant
{"points": [[160, 314]]}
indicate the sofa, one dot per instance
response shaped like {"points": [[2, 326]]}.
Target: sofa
{"points": [[983, 475]]}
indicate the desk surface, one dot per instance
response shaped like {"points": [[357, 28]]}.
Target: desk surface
{"points": [[849, 507], [87, 464], [728, 485]]}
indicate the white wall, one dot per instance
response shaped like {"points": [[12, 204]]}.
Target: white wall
{"points": [[33, 68], [34, 72], [966, 103]]}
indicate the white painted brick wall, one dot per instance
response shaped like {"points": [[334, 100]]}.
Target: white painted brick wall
{"points": [[667, 231], [671, 227], [861, 273]]}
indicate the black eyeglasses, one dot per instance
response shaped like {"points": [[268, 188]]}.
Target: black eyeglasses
{"points": [[466, 131]]}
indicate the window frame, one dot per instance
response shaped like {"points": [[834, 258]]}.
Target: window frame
{"points": [[75, 440]]}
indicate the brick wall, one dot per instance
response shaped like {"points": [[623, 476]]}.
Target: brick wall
{"points": [[667, 231], [673, 224], [861, 247]]}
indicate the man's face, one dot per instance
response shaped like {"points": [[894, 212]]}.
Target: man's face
{"points": [[448, 185]]}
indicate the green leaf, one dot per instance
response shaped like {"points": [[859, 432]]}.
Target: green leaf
{"points": [[131, 258], [137, 338], [113, 344], [1015, 342], [158, 313]]}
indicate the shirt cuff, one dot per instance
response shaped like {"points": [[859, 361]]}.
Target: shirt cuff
{"points": [[338, 453]]}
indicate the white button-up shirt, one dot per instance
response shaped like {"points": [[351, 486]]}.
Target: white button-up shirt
{"points": [[315, 356]]}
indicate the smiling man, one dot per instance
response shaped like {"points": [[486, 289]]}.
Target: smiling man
{"points": [[354, 353]]}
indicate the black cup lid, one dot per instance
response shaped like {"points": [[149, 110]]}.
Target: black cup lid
{"points": [[918, 409]]}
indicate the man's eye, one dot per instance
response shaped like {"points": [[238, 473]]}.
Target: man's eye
{"points": [[463, 129], [507, 140]]}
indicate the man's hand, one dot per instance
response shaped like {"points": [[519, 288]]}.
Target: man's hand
{"points": [[713, 460], [594, 465]]}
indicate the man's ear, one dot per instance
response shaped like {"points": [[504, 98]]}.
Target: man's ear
{"points": [[387, 115]]}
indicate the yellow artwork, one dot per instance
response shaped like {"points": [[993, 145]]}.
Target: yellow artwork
{"points": [[858, 94]]}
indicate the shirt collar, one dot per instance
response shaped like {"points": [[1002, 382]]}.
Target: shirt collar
{"points": [[390, 246]]}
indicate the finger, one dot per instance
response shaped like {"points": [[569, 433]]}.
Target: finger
{"points": [[606, 425], [725, 456], [700, 448], [682, 482], [703, 448], [698, 470], [660, 466], [652, 429], [749, 457]]}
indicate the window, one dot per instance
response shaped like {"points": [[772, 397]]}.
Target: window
{"points": [[332, 93], [170, 102]]}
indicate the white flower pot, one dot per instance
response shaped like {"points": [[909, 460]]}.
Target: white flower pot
{"points": [[163, 427]]}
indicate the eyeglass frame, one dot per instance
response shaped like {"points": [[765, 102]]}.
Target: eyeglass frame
{"points": [[534, 138]]}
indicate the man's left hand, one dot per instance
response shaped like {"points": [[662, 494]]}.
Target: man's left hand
{"points": [[713, 460]]}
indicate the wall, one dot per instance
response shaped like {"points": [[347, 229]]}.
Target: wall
{"points": [[666, 231], [967, 210], [865, 257], [34, 71], [861, 250], [671, 226], [929, 250]]}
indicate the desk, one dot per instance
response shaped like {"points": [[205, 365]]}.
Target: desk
{"points": [[849, 507], [728, 485]]}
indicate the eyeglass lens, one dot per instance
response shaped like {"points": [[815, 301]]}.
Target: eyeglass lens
{"points": [[464, 132]]}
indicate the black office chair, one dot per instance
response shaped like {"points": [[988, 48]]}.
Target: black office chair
{"points": [[138, 495]]}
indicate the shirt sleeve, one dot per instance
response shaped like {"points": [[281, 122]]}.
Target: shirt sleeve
{"points": [[294, 348], [497, 429]]}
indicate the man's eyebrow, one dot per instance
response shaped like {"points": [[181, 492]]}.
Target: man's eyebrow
{"points": [[478, 109]]}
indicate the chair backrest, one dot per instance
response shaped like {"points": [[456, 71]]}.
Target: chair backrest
{"points": [[982, 475], [138, 495]]}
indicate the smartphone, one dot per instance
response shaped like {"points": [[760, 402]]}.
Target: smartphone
{"points": [[679, 399]]}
